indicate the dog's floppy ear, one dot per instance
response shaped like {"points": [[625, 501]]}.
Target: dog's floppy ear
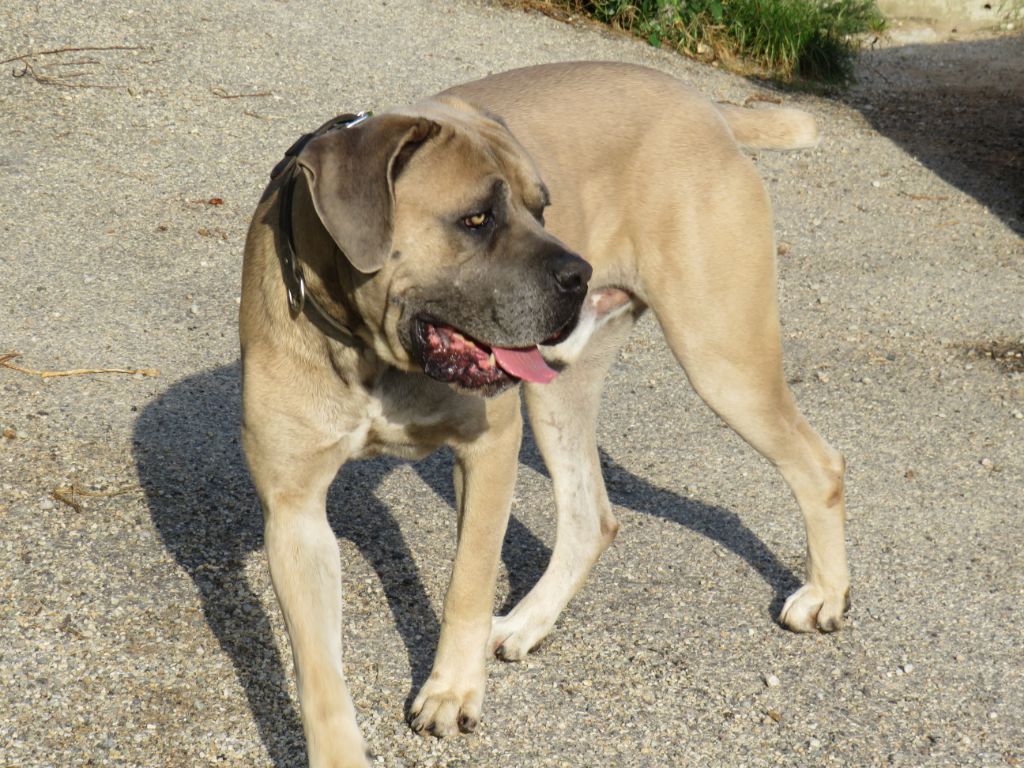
{"points": [[351, 174]]}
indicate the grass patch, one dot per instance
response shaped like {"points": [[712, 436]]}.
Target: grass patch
{"points": [[784, 39]]}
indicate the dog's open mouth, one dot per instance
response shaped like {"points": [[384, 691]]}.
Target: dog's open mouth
{"points": [[449, 355]]}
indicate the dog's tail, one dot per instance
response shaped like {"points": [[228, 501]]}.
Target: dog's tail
{"points": [[771, 128]]}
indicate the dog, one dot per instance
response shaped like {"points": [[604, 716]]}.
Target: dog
{"points": [[407, 274]]}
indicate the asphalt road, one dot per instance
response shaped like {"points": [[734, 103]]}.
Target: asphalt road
{"points": [[138, 626]]}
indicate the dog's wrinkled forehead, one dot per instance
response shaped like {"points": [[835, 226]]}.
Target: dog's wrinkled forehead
{"points": [[473, 150]]}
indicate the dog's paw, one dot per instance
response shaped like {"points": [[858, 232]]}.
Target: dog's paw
{"points": [[445, 710], [812, 608], [513, 636]]}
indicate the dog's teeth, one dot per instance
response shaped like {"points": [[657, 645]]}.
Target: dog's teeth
{"points": [[490, 362]]}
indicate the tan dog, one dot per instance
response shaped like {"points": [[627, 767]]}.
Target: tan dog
{"points": [[397, 287]]}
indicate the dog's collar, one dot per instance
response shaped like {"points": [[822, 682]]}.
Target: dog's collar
{"points": [[299, 299]]}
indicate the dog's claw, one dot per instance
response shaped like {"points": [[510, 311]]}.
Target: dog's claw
{"points": [[811, 609], [514, 636], [443, 712]]}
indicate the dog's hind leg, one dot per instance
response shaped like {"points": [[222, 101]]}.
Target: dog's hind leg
{"points": [[715, 299], [563, 416], [757, 404]]}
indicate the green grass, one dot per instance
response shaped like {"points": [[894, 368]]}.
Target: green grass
{"points": [[785, 39]]}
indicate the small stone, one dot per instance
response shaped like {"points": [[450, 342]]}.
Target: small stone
{"points": [[907, 668], [1017, 414], [823, 377], [876, 184], [814, 745], [46, 504], [194, 309], [21, 434], [771, 680], [986, 463], [9, 433]]}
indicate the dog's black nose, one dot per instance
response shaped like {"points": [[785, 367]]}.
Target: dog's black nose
{"points": [[571, 274]]}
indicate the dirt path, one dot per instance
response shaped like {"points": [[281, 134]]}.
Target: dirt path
{"points": [[138, 626], [958, 107]]}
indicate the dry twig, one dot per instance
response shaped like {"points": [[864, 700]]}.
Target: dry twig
{"points": [[39, 77], [67, 494], [222, 94], [28, 69], [761, 97], [34, 54], [5, 362], [934, 198]]}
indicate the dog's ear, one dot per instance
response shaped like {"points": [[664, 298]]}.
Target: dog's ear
{"points": [[351, 175]]}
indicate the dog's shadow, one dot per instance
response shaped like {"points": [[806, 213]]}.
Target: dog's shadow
{"points": [[186, 446]]}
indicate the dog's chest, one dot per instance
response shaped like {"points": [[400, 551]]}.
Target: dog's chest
{"points": [[411, 416]]}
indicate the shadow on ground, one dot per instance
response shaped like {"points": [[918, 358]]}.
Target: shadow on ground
{"points": [[190, 463], [958, 108]]}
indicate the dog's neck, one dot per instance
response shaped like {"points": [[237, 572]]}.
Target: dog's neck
{"points": [[310, 264]]}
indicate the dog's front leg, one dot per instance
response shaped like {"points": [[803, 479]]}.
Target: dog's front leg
{"points": [[305, 568], [485, 473]]}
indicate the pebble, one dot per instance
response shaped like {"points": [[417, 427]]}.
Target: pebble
{"points": [[46, 504], [194, 309], [771, 680], [986, 463]]}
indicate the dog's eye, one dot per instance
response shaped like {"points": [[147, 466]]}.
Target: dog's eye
{"points": [[477, 220]]}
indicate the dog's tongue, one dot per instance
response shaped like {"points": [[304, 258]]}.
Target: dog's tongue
{"points": [[525, 364]]}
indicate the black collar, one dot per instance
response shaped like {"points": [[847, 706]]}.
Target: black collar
{"points": [[299, 300]]}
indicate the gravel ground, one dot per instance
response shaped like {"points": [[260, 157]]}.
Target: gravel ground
{"points": [[139, 628]]}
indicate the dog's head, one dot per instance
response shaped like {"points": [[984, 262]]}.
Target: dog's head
{"points": [[438, 216]]}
